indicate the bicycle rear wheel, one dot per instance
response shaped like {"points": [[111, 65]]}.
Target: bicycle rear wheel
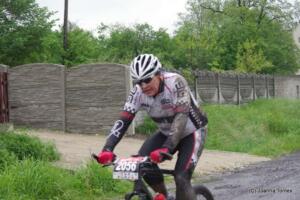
{"points": [[203, 193]]}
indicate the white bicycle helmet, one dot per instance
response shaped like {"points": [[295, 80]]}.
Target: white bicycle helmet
{"points": [[144, 66]]}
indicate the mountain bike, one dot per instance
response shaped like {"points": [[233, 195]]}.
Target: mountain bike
{"points": [[135, 167]]}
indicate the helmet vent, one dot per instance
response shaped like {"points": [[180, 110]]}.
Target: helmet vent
{"points": [[143, 60], [137, 68], [149, 71], [148, 61]]}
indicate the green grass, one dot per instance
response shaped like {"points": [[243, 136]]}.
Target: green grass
{"points": [[27, 173], [24, 146], [147, 128], [33, 179], [263, 127]]}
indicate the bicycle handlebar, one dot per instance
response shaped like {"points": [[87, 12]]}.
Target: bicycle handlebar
{"points": [[166, 156]]}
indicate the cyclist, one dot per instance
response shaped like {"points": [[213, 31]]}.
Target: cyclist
{"points": [[181, 124]]}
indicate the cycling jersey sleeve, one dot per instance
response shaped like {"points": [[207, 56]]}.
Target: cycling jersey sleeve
{"points": [[126, 117], [182, 101]]}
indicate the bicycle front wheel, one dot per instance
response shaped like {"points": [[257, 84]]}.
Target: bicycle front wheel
{"points": [[203, 193]]}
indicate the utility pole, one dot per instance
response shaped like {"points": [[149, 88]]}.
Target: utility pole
{"points": [[65, 29]]}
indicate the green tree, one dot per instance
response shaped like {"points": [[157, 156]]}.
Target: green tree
{"points": [[249, 59], [218, 29], [23, 26], [121, 43], [83, 47]]}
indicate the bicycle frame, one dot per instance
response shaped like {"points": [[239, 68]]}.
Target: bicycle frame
{"points": [[140, 188]]}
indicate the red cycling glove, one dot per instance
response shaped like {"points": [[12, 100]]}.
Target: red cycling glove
{"points": [[106, 157], [155, 155], [159, 197]]}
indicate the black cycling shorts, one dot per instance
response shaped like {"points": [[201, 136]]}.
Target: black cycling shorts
{"points": [[189, 150]]}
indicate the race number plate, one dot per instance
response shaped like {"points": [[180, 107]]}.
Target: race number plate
{"points": [[127, 168]]}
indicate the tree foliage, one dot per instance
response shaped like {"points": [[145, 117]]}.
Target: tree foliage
{"points": [[83, 47], [220, 29], [242, 35], [23, 26], [121, 43]]}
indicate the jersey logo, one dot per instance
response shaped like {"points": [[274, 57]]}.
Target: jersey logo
{"points": [[116, 130], [179, 85], [145, 105], [131, 95], [165, 101]]}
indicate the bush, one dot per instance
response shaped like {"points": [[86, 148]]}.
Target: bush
{"points": [[24, 146], [6, 159]]}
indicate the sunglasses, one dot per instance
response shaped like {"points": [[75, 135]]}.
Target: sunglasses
{"points": [[146, 80]]}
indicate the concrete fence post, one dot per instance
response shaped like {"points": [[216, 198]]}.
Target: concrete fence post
{"points": [[218, 87], [63, 98], [253, 88], [238, 99], [274, 88], [267, 86], [195, 86]]}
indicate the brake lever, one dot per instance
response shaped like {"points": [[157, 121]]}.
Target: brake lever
{"points": [[95, 157], [166, 156]]}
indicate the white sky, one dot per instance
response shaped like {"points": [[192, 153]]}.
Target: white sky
{"points": [[88, 14]]}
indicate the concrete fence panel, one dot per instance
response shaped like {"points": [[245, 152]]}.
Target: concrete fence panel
{"points": [[95, 95], [207, 84], [246, 87], [88, 98], [287, 86], [260, 86], [3, 68], [228, 87], [36, 93]]}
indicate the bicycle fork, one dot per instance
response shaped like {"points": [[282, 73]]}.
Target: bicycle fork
{"points": [[140, 190]]}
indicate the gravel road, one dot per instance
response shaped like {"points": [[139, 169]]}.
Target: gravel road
{"points": [[75, 150], [230, 176], [278, 179]]}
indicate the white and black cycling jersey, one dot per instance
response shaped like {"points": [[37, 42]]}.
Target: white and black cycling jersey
{"points": [[174, 97]]}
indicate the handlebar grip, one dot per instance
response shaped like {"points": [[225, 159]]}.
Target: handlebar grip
{"points": [[166, 156], [94, 156]]}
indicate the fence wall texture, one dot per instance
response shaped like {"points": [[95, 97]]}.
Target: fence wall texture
{"points": [[287, 86], [84, 99], [232, 88], [89, 98], [3, 68]]}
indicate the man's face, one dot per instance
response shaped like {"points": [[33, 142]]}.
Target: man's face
{"points": [[151, 86]]}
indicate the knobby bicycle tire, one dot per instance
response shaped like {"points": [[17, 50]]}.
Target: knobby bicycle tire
{"points": [[143, 197], [204, 191]]}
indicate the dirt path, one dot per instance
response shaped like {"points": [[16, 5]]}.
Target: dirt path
{"points": [[277, 179], [76, 149]]}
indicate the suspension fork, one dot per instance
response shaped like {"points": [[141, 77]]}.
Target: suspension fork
{"points": [[139, 189]]}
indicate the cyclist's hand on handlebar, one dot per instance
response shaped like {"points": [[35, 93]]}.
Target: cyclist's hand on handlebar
{"points": [[106, 157], [157, 155]]}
